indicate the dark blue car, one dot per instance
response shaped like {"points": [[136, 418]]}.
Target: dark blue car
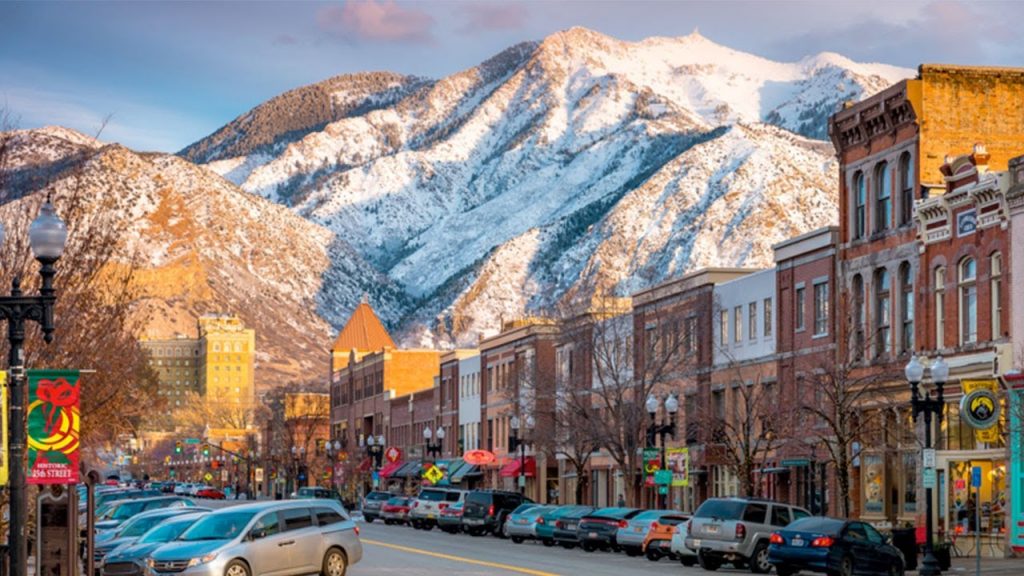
{"points": [[833, 546]]}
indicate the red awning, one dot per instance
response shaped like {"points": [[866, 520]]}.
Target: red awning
{"points": [[364, 466], [511, 470], [390, 468]]}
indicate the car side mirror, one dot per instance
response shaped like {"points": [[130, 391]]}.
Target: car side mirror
{"points": [[258, 533]]}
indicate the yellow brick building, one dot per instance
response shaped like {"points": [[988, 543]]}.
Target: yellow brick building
{"points": [[227, 354]]}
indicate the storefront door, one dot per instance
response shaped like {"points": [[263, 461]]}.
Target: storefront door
{"points": [[965, 511]]}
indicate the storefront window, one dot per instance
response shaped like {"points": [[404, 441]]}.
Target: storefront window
{"points": [[910, 482], [958, 435], [874, 482], [989, 501]]}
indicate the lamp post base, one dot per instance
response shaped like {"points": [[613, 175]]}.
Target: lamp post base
{"points": [[930, 564]]}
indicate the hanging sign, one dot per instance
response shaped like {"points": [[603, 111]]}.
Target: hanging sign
{"points": [[393, 454], [53, 426], [979, 407], [651, 462], [679, 464], [479, 457]]}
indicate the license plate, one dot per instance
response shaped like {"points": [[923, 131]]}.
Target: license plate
{"points": [[797, 542], [430, 516], [665, 544], [521, 521], [696, 543], [711, 528], [473, 521], [592, 535], [638, 529], [570, 526]]}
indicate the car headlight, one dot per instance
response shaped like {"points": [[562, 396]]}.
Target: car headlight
{"points": [[202, 560]]}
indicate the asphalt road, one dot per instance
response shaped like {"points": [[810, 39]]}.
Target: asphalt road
{"points": [[401, 550]]}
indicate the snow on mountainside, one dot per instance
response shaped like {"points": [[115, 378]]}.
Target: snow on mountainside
{"points": [[205, 246], [576, 164]]}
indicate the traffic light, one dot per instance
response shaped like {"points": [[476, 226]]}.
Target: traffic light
{"points": [[177, 447], [206, 449]]}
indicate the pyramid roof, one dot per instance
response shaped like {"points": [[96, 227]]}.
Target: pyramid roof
{"points": [[363, 331]]}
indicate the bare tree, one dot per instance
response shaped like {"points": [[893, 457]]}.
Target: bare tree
{"points": [[199, 412]]}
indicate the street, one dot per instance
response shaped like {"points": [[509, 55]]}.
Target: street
{"points": [[402, 550]]}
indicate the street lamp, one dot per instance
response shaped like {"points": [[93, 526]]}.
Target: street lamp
{"points": [[655, 430], [928, 406], [517, 440], [46, 235], [333, 450], [433, 448]]}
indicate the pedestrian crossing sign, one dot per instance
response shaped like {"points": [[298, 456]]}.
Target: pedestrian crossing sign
{"points": [[433, 474]]}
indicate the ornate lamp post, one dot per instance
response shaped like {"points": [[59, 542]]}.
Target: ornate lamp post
{"points": [[517, 440], [655, 430], [298, 459], [375, 450], [928, 406], [333, 450], [433, 448], [46, 235]]}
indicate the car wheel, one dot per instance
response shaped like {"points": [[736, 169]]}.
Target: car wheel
{"points": [[334, 564], [547, 542], [633, 552], [427, 526], [369, 519], [688, 560], [783, 570], [517, 539], [653, 556], [567, 545], [237, 568], [587, 547], [759, 559], [707, 562], [846, 566], [474, 531], [896, 569]]}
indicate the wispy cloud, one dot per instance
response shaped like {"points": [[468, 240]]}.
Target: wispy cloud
{"points": [[370, 20], [484, 16]]}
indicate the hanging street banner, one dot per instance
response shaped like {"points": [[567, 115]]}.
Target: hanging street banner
{"points": [[679, 464], [651, 462], [979, 407], [4, 470], [53, 426]]}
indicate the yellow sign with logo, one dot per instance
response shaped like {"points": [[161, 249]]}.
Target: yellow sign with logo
{"points": [[433, 474], [980, 408]]}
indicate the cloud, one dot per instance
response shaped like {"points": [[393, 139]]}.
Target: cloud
{"points": [[370, 20], [492, 16]]}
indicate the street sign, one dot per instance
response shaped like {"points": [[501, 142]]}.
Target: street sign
{"points": [[224, 475], [522, 481], [976, 477], [433, 474], [662, 490], [191, 440], [663, 477], [208, 477], [259, 474], [928, 458], [928, 478], [796, 462], [393, 454]]}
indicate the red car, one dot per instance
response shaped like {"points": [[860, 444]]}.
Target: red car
{"points": [[396, 510], [211, 493]]}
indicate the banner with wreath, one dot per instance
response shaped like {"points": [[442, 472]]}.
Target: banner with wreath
{"points": [[53, 426]]}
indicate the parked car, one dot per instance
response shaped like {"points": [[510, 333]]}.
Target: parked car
{"points": [[396, 510], [130, 559], [167, 487], [279, 537], [679, 550], [122, 510], [545, 529], [597, 530], [658, 543], [522, 524], [184, 488], [630, 537], [738, 530], [450, 519], [316, 492], [486, 510], [132, 529], [428, 504], [834, 546], [565, 533], [194, 489], [372, 503], [211, 493]]}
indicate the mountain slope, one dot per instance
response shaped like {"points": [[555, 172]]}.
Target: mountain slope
{"points": [[574, 164]]}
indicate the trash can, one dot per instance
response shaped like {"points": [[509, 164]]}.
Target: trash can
{"points": [[905, 541]]}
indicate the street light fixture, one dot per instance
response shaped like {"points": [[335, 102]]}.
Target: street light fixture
{"points": [[433, 448], [928, 406], [46, 235], [517, 440], [654, 430]]}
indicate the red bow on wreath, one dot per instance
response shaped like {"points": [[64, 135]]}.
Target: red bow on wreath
{"points": [[56, 394]]}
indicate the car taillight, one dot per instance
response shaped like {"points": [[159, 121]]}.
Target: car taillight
{"points": [[623, 523], [654, 525], [540, 519], [416, 504], [776, 538], [490, 510], [741, 531], [822, 542], [689, 528], [442, 505], [356, 528], [559, 524]]}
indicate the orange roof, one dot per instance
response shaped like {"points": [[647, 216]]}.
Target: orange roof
{"points": [[363, 331]]}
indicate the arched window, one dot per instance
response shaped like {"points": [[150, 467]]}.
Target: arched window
{"points": [[906, 187], [906, 308], [968, 301], [940, 307], [858, 317], [883, 197], [995, 262], [883, 318], [859, 205]]}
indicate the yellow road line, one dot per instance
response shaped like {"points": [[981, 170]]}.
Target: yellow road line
{"points": [[458, 558]]}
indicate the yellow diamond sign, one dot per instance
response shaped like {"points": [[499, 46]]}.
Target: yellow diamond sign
{"points": [[433, 474]]}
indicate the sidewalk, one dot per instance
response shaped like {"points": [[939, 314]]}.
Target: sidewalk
{"points": [[989, 567]]}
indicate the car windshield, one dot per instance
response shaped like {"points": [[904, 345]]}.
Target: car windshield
{"points": [[165, 532], [721, 509], [223, 526], [817, 524], [431, 495], [127, 510], [378, 496], [612, 512], [139, 526], [651, 514], [523, 508], [397, 501]]}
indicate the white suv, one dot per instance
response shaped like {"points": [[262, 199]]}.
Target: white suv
{"points": [[427, 506]]}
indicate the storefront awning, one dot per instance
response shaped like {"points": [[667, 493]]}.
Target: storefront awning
{"points": [[511, 470], [449, 468], [390, 468], [408, 470], [365, 465], [776, 470], [465, 471]]}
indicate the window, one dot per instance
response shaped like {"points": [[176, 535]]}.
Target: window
{"points": [[767, 317], [883, 343], [906, 308], [940, 307], [799, 323], [883, 198], [267, 525], [968, 301], [821, 308], [906, 187], [691, 334], [737, 326], [856, 532], [723, 327], [718, 403], [296, 519], [996, 293], [780, 516], [326, 516], [755, 513], [859, 206], [752, 320]]}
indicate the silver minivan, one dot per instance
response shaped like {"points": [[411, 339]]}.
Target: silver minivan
{"points": [[272, 538]]}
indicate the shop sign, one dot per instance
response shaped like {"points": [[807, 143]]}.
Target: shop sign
{"points": [[53, 427], [979, 407], [393, 454], [966, 223], [679, 464], [651, 462]]}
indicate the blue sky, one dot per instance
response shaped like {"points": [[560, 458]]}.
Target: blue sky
{"points": [[167, 74]]}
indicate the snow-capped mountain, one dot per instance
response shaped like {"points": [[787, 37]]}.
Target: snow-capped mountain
{"points": [[560, 167]]}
